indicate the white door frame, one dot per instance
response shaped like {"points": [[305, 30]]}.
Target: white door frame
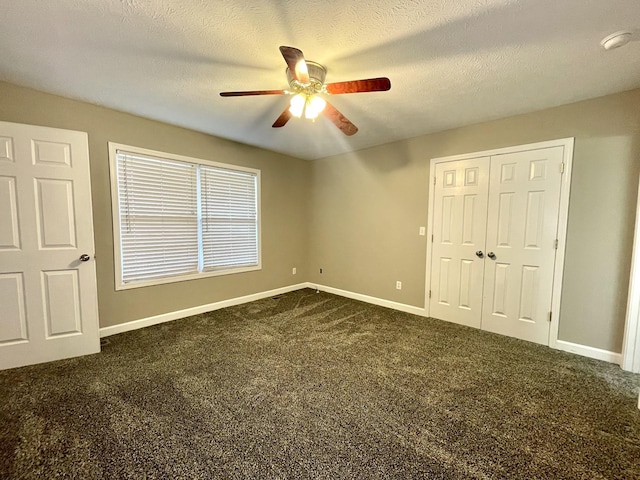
{"points": [[631, 343], [563, 216]]}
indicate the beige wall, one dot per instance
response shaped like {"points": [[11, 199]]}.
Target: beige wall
{"points": [[284, 201], [367, 207]]}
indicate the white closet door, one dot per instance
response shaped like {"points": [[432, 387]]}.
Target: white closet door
{"points": [[522, 224], [460, 212], [48, 301]]}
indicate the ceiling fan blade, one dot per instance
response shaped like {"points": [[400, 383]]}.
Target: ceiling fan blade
{"points": [[282, 120], [296, 62], [252, 92], [339, 120], [380, 84]]}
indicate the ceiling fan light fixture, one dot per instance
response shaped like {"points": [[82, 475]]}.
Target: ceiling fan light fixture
{"points": [[308, 105], [297, 105], [315, 105], [616, 40]]}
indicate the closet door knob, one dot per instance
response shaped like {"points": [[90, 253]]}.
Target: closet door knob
{"points": [[480, 254], [491, 255]]}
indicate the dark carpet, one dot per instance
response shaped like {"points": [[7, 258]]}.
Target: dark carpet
{"points": [[311, 385]]}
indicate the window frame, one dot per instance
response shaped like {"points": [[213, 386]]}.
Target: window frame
{"points": [[114, 148]]}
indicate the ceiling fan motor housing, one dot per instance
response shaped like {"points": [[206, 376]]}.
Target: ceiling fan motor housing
{"points": [[317, 74]]}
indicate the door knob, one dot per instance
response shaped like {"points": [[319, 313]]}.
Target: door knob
{"points": [[491, 255], [480, 254], [84, 257]]}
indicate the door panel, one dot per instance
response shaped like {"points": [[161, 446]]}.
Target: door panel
{"points": [[51, 153], [61, 300], [466, 286], [529, 292], [48, 297], [468, 219], [443, 293], [460, 209], [14, 328], [6, 149], [534, 220], [500, 288], [9, 234], [55, 213], [522, 223], [447, 220], [505, 219]]}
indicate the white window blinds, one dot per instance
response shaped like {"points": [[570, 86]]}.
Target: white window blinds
{"points": [[158, 217], [178, 218], [229, 218]]}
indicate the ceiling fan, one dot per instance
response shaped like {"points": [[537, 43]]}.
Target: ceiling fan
{"points": [[306, 83]]}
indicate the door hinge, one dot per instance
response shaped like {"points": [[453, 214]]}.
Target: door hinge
{"points": [[562, 167], [550, 315], [434, 180], [555, 244], [429, 293], [432, 238]]}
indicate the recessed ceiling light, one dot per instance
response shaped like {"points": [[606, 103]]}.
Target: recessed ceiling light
{"points": [[616, 40]]}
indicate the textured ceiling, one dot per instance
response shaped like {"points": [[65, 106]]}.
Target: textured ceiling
{"points": [[451, 62]]}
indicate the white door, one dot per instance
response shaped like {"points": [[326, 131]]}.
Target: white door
{"points": [[522, 227], [47, 294], [459, 219], [507, 207]]}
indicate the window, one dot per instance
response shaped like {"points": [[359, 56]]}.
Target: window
{"points": [[178, 218]]}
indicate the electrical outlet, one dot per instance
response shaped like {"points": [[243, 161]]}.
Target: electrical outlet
{"points": [[398, 285], [422, 231], [294, 271]]}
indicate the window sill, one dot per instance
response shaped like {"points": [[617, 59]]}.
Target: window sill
{"points": [[185, 277]]}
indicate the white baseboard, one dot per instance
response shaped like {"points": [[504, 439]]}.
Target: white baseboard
{"points": [[167, 317], [403, 307], [590, 352]]}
